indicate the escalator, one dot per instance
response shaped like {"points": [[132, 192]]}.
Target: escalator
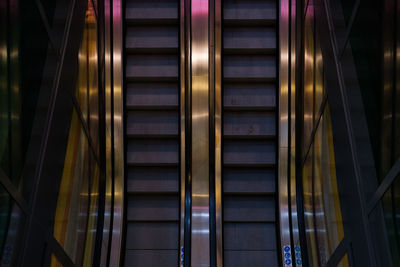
{"points": [[152, 132], [249, 69]]}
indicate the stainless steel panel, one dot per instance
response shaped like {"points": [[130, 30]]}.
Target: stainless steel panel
{"points": [[108, 113], [284, 125], [116, 243], [292, 158], [182, 129], [200, 240], [218, 131]]}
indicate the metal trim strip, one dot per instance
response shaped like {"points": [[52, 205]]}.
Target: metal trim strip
{"points": [[200, 217], [182, 44], [283, 145], [218, 131], [116, 243]]}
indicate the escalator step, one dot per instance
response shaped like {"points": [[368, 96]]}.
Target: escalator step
{"points": [[249, 10], [154, 39], [249, 40], [152, 258], [249, 152], [147, 152], [152, 96], [250, 236], [250, 124], [152, 235], [153, 207], [151, 11], [153, 180], [249, 180], [242, 258], [249, 68], [154, 123], [249, 209], [152, 68]]}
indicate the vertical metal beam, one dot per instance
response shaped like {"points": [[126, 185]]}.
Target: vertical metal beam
{"points": [[200, 219], [218, 131], [283, 148], [116, 243]]}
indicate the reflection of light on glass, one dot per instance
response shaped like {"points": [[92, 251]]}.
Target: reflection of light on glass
{"points": [[3, 51], [307, 116], [15, 116], [308, 57]]}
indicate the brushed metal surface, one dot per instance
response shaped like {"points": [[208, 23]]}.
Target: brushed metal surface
{"points": [[218, 131], [200, 218], [292, 158], [116, 243], [183, 130], [284, 21]]}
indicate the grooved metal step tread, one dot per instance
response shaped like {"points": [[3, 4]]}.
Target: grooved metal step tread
{"points": [[152, 68], [152, 95], [249, 40], [151, 10], [152, 39], [248, 10]]}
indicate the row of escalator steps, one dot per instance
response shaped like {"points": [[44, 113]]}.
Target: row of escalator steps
{"points": [[249, 132], [152, 132]]}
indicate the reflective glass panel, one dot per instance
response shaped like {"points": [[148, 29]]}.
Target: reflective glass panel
{"points": [[86, 165], [312, 247], [319, 89], [344, 262], [82, 84], [57, 15], [93, 88], [11, 226], [72, 204], [347, 6], [391, 210], [384, 233], [24, 60], [376, 24], [309, 59], [108, 198], [328, 214], [93, 211], [55, 262]]}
